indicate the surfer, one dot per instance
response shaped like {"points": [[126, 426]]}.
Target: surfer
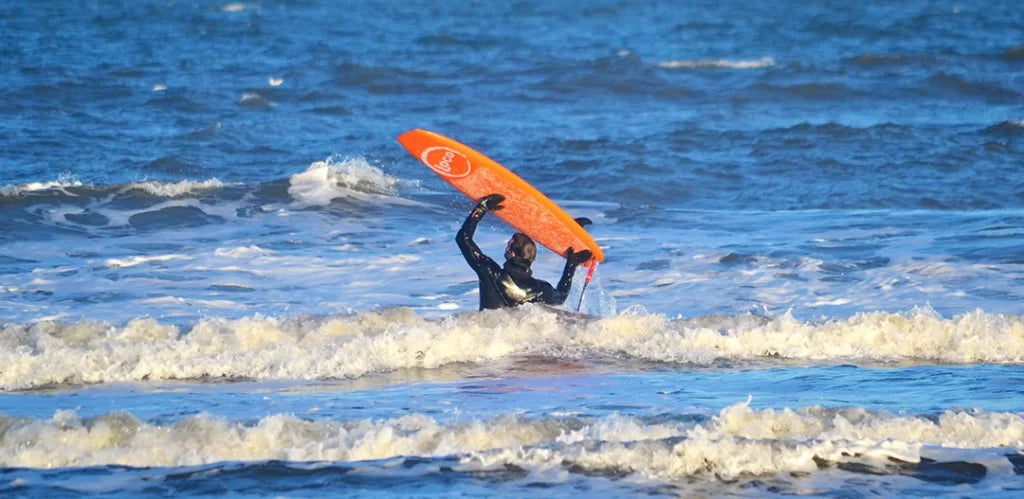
{"points": [[513, 284]]}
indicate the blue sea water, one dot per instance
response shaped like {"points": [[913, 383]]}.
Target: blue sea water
{"points": [[221, 275]]}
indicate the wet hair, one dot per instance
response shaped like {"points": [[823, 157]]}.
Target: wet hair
{"points": [[524, 248]]}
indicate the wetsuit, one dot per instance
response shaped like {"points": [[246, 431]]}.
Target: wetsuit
{"points": [[512, 284]]}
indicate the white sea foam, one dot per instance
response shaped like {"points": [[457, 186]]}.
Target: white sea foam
{"points": [[832, 302], [59, 185], [738, 441], [180, 189], [352, 346], [243, 252], [120, 438], [238, 7], [252, 99], [327, 180], [134, 261], [177, 189], [763, 62]]}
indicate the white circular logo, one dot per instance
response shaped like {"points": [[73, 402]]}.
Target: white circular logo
{"points": [[446, 162]]}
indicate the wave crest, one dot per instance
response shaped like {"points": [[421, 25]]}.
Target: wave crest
{"points": [[742, 442], [738, 441], [327, 180], [51, 353], [764, 62], [177, 189], [59, 185], [63, 188]]}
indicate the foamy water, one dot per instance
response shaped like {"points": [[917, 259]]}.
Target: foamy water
{"points": [[737, 442], [327, 180], [51, 353], [59, 185]]}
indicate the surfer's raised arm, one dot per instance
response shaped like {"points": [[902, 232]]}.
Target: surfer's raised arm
{"points": [[464, 238]]}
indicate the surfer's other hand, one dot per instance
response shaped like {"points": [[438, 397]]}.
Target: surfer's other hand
{"points": [[577, 258], [492, 202]]}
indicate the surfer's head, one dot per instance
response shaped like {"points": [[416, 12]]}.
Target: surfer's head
{"points": [[521, 249]]}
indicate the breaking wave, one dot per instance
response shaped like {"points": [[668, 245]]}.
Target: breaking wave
{"points": [[737, 442], [741, 442], [60, 185], [318, 184], [177, 189], [63, 191], [335, 347], [330, 179], [152, 204]]}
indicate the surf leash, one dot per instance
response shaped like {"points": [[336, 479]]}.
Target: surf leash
{"points": [[590, 273]]}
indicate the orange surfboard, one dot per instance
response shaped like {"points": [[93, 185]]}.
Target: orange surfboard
{"points": [[525, 208]]}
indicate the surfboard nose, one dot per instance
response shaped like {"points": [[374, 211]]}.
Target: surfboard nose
{"points": [[413, 140]]}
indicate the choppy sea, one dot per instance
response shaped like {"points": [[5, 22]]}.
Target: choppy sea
{"points": [[220, 274]]}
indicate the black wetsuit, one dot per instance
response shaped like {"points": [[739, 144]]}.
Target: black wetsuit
{"points": [[513, 284]]}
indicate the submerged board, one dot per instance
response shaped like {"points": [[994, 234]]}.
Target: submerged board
{"points": [[525, 208]]}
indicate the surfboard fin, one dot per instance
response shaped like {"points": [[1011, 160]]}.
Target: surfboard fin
{"points": [[584, 221]]}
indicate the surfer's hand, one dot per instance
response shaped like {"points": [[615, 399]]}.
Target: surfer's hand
{"points": [[491, 202], [577, 258]]}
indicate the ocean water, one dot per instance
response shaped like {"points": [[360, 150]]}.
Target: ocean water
{"points": [[220, 274]]}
